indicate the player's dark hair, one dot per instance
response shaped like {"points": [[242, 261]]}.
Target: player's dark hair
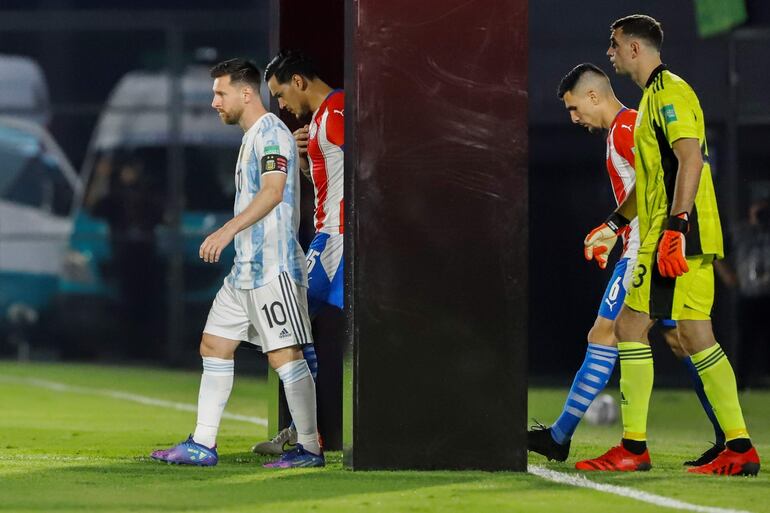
{"points": [[641, 26], [571, 79], [240, 70], [289, 63]]}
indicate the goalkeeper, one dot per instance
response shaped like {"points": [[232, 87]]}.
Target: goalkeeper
{"points": [[681, 237], [591, 103]]}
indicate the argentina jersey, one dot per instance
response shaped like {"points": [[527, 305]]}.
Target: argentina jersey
{"points": [[269, 247]]}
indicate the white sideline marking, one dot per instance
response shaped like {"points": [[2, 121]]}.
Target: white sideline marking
{"points": [[658, 500], [126, 396]]}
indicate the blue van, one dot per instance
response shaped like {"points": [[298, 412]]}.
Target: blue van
{"points": [[118, 252]]}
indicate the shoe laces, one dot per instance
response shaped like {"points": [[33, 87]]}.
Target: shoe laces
{"points": [[283, 436]]}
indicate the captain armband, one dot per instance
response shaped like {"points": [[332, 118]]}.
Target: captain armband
{"points": [[272, 163]]}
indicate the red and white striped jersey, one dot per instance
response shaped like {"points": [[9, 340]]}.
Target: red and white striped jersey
{"points": [[325, 150], [620, 167]]}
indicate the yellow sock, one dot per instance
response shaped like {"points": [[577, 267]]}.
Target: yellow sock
{"points": [[719, 384], [636, 375]]}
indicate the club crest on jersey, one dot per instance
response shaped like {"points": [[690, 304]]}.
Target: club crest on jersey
{"points": [[311, 133]]}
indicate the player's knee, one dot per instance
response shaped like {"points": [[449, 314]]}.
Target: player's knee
{"points": [[671, 336], [281, 357], [695, 336], [213, 347], [623, 330], [602, 333]]}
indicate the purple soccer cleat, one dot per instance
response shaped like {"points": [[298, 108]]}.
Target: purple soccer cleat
{"points": [[297, 457], [188, 453]]}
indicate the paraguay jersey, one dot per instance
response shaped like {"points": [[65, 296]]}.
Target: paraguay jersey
{"points": [[325, 150], [269, 246], [620, 167], [670, 110]]}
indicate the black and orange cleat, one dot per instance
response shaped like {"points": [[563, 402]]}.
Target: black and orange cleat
{"points": [[617, 459], [731, 463]]}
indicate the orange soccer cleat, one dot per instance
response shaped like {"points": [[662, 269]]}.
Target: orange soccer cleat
{"points": [[617, 459], [731, 463]]}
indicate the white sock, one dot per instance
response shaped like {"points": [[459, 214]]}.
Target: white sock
{"points": [[300, 396], [216, 383]]}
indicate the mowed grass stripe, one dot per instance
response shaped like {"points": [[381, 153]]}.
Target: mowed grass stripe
{"points": [[125, 396]]}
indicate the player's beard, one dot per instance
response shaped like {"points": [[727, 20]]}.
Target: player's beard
{"points": [[232, 117]]}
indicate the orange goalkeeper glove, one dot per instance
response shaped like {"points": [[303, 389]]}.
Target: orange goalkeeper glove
{"points": [[600, 241], [671, 248]]}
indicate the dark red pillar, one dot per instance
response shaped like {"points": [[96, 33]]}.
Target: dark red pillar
{"points": [[436, 233]]}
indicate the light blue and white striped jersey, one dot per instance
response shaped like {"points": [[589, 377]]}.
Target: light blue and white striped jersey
{"points": [[268, 247]]}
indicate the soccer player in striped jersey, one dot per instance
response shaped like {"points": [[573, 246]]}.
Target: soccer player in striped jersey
{"points": [[591, 103], [263, 299], [681, 236], [294, 82]]}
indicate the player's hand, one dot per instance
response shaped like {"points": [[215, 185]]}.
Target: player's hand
{"points": [[212, 247], [671, 248], [599, 242], [301, 137]]}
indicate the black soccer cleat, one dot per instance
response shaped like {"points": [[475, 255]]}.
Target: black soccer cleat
{"points": [[707, 457], [539, 440]]}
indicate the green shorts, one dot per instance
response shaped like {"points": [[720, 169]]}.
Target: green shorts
{"points": [[688, 297]]}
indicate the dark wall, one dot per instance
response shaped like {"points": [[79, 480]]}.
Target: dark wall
{"points": [[438, 220]]}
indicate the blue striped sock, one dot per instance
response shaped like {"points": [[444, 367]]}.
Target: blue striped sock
{"points": [[697, 384], [589, 381], [308, 351]]}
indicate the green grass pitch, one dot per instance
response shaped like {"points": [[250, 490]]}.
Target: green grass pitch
{"points": [[75, 450]]}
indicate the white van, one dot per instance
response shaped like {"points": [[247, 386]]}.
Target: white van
{"points": [[23, 89], [38, 192]]}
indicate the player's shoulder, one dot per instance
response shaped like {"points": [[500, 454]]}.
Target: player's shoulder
{"points": [[335, 102], [668, 84], [272, 132], [627, 116], [336, 98], [272, 125]]}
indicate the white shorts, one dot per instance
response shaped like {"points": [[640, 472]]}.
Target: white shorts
{"points": [[271, 317]]}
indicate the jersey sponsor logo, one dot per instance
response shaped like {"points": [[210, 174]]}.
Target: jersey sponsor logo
{"points": [[284, 333], [668, 113], [340, 112], [627, 127], [272, 163]]}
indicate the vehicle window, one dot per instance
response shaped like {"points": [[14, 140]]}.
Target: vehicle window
{"points": [[12, 164], [36, 181], [209, 183]]}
